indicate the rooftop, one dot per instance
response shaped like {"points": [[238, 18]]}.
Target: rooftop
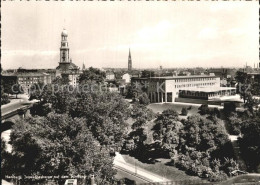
{"points": [[183, 77]]}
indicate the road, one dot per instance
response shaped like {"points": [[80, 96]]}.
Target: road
{"points": [[138, 172], [14, 104]]}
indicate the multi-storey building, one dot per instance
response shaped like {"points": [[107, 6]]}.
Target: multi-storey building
{"points": [[171, 89], [28, 79]]}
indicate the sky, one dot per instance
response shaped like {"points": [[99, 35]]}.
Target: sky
{"points": [[168, 34]]}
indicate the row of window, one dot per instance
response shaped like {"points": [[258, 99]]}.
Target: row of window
{"points": [[193, 79], [194, 85], [31, 78], [29, 82]]}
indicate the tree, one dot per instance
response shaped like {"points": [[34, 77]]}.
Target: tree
{"points": [[92, 75], [244, 84], [255, 86], [234, 123], [147, 74], [204, 109], [105, 113], [251, 102], [250, 143], [17, 89], [143, 99], [166, 131], [229, 166], [59, 145], [203, 134], [4, 97], [137, 137], [61, 80]]}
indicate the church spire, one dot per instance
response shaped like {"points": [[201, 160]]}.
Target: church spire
{"points": [[129, 61], [83, 66], [64, 49]]}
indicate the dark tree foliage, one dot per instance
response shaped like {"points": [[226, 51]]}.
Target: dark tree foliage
{"points": [[204, 109], [184, 111], [247, 86], [61, 80], [17, 89], [4, 97], [256, 86], [143, 99], [198, 145], [250, 143], [203, 134], [92, 75], [234, 123], [138, 94], [203, 149], [58, 145], [137, 137], [166, 131], [147, 74], [105, 113]]}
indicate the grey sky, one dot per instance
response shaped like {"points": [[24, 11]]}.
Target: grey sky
{"points": [[171, 34]]}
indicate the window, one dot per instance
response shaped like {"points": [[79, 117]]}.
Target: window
{"points": [[169, 97]]}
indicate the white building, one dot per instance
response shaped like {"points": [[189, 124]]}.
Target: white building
{"points": [[126, 77], [170, 89]]}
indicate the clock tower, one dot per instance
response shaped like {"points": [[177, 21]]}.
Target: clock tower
{"points": [[64, 49], [66, 66]]}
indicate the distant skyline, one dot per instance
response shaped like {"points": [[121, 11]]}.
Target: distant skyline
{"points": [[168, 34]]}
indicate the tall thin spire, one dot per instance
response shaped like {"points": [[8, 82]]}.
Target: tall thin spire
{"points": [[83, 66], [129, 61]]}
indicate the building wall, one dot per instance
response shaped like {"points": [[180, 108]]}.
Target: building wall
{"points": [[73, 79], [33, 79], [127, 78], [166, 90], [110, 76]]}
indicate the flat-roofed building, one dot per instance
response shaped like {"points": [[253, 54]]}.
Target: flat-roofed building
{"points": [[170, 89], [27, 79]]}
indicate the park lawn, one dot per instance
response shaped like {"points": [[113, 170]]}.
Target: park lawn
{"points": [[159, 107], [169, 172]]}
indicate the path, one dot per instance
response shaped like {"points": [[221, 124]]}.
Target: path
{"points": [[120, 163]]}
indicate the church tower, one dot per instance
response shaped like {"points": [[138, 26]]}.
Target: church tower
{"points": [[64, 49], [66, 67], [129, 61]]}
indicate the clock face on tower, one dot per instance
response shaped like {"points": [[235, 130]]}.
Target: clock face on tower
{"points": [[63, 44]]}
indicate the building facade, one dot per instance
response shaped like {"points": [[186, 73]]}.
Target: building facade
{"points": [[27, 79], [170, 89]]}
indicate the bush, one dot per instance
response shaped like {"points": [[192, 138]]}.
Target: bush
{"points": [[4, 99], [204, 109], [184, 111], [217, 176]]}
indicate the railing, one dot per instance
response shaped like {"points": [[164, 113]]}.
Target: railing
{"points": [[182, 182]]}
